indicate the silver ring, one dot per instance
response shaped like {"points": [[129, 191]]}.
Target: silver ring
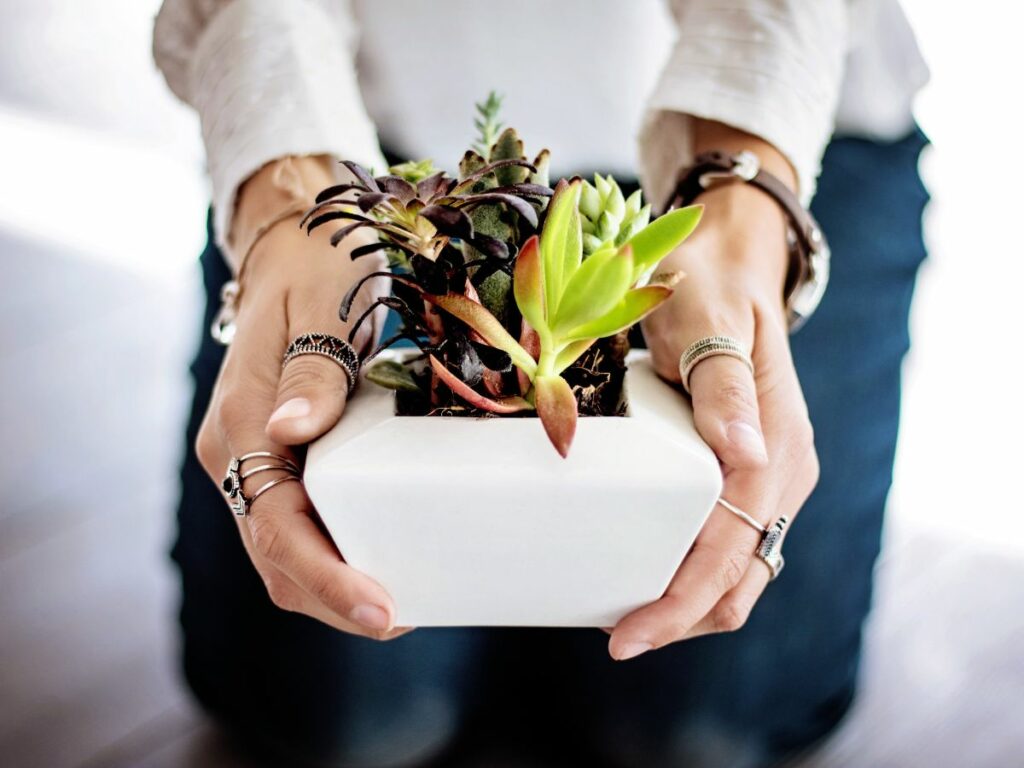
{"points": [[338, 350], [743, 516], [769, 548], [711, 346], [232, 483]]}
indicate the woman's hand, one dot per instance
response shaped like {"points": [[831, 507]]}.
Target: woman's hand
{"points": [[292, 285], [756, 424]]}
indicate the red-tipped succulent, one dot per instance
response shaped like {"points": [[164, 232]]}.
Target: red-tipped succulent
{"points": [[504, 315]]}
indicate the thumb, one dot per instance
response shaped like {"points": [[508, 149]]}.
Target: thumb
{"points": [[725, 411], [310, 399]]}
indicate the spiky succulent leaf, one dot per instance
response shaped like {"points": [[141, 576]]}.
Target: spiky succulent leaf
{"points": [[487, 123], [470, 163], [541, 174], [508, 147]]}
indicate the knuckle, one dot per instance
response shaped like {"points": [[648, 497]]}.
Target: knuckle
{"points": [[735, 392], [813, 470], [734, 566], [208, 448], [322, 587], [281, 593], [730, 615], [803, 436], [267, 536], [232, 409], [306, 371]]}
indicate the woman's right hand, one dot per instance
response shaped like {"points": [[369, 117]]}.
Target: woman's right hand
{"points": [[293, 284]]}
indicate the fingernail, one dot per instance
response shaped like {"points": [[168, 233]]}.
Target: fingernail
{"points": [[632, 650], [370, 616], [295, 408], [747, 439]]}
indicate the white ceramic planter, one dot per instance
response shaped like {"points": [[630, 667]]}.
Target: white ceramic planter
{"points": [[479, 522]]}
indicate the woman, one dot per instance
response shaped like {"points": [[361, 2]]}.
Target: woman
{"points": [[279, 99]]}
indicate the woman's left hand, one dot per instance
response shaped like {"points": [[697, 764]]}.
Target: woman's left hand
{"points": [[756, 424]]}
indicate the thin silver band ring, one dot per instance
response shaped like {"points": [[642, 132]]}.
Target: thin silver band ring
{"points": [[267, 455], [265, 468], [743, 516], [237, 499], [266, 487]]}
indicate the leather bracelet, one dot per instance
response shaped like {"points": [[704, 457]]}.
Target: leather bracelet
{"points": [[807, 275]]}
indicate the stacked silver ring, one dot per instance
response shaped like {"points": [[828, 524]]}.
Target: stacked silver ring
{"points": [[769, 548], [338, 350], [233, 477], [710, 346]]}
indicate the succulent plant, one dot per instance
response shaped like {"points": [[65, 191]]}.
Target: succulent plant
{"points": [[570, 302], [609, 218], [502, 314]]}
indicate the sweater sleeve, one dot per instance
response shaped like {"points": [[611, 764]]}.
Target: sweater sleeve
{"points": [[268, 78], [772, 68]]}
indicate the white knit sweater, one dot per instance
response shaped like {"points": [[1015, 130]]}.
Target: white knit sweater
{"points": [[607, 85]]}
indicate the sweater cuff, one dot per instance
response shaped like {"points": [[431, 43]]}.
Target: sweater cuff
{"points": [[781, 83], [272, 78]]}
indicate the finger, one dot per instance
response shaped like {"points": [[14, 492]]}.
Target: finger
{"points": [[280, 528], [715, 565], [732, 611], [310, 399], [725, 411], [312, 390], [289, 596], [281, 531]]}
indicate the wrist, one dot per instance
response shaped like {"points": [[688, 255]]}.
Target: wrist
{"points": [[278, 191], [742, 236]]}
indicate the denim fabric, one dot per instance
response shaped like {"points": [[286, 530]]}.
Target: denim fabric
{"points": [[300, 690]]}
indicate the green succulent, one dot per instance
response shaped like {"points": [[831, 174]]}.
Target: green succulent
{"points": [[414, 171], [608, 218]]}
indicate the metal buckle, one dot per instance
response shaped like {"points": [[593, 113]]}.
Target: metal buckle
{"points": [[745, 166]]}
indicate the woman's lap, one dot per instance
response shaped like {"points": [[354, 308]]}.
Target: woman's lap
{"points": [[743, 698]]}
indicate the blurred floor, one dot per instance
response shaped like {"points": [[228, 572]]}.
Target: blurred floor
{"points": [[98, 312]]}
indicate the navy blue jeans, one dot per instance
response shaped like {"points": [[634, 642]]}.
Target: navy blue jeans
{"points": [[295, 688]]}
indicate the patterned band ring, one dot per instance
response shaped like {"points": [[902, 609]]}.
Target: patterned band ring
{"points": [[769, 548], [711, 346], [338, 350]]}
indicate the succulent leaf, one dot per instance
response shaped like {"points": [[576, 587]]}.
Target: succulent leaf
{"points": [[608, 217], [529, 284], [487, 325], [561, 242], [556, 407], [391, 374], [504, 405], [596, 288], [633, 307], [655, 241]]}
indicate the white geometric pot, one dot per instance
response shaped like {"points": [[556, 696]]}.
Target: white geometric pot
{"points": [[479, 522]]}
